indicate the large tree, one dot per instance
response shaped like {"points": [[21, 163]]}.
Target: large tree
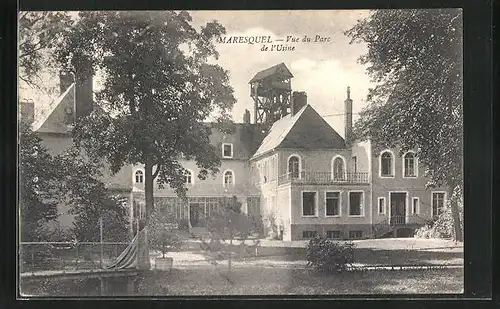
{"points": [[158, 88], [39, 187], [415, 59], [39, 35]]}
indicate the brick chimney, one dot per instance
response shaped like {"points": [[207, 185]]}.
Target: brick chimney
{"points": [[246, 117], [65, 80], [84, 101], [299, 100], [27, 111], [348, 117]]}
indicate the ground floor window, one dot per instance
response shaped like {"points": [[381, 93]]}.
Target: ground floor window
{"points": [[309, 234], [437, 203], [415, 205], [333, 203], [381, 205], [355, 203], [308, 203], [355, 234], [333, 234]]}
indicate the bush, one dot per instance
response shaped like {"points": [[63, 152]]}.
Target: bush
{"points": [[328, 256], [440, 227]]}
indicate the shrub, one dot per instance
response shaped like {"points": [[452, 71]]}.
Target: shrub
{"points": [[442, 226], [329, 256]]}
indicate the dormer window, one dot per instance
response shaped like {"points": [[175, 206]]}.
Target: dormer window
{"points": [[227, 150], [139, 176]]}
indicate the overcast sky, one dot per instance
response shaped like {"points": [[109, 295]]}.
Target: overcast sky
{"points": [[323, 70]]}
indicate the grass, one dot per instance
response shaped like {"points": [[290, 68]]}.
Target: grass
{"points": [[257, 281]]}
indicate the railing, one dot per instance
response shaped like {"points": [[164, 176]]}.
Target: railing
{"points": [[323, 178], [398, 220], [37, 256]]}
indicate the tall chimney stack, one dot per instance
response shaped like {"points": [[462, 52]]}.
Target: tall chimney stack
{"points": [[348, 117], [83, 90], [299, 100], [246, 117], [65, 80]]}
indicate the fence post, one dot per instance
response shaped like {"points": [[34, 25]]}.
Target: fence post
{"points": [[77, 254], [102, 249]]}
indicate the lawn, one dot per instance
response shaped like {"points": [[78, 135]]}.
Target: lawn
{"points": [[289, 281], [397, 251]]}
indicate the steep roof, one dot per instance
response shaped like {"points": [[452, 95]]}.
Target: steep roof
{"points": [[279, 68], [56, 120], [278, 132], [306, 129]]}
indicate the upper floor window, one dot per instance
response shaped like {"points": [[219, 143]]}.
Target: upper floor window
{"points": [[294, 166], [228, 178], [409, 165], [438, 199], [139, 176], [188, 177], [386, 164], [338, 168], [354, 164], [227, 150]]}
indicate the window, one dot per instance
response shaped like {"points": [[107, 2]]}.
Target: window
{"points": [[188, 177], [415, 205], [338, 168], [355, 234], [386, 166], [332, 204], [228, 178], [437, 203], [333, 234], [409, 165], [354, 164], [381, 205], [355, 203], [309, 234], [294, 166], [227, 150], [308, 204], [139, 176]]}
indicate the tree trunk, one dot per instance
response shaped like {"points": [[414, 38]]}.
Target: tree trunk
{"points": [[144, 262], [455, 213]]}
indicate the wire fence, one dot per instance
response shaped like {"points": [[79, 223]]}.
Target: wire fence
{"points": [[40, 256]]}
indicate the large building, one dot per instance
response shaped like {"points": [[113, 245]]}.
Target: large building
{"points": [[288, 165]]}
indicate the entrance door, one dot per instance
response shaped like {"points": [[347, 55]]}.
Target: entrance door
{"points": [[398, 208], [196, 214]]}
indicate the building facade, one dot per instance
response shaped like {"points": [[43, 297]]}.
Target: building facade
{"points": [[289, 166]]}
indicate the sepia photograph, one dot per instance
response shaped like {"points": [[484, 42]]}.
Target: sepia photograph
{"points": [[247, 153]]}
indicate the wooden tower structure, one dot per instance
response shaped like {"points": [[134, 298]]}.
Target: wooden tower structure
{"points": [[271, 91]]}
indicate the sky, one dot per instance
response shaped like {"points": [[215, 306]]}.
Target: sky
{"points": [[322, 69]]}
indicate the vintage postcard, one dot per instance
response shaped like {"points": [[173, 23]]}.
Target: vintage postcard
{"points": [[183, 153]]}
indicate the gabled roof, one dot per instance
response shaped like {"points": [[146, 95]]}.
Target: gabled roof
{"points": [[278, 132], [306, 129], [278, 69], [56, 120]]}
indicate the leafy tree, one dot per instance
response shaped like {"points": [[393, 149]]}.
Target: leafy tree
{"points": [[415, 59], [226, 224], [158, 88], [39, 35], [39, 187], [90, 200]]}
